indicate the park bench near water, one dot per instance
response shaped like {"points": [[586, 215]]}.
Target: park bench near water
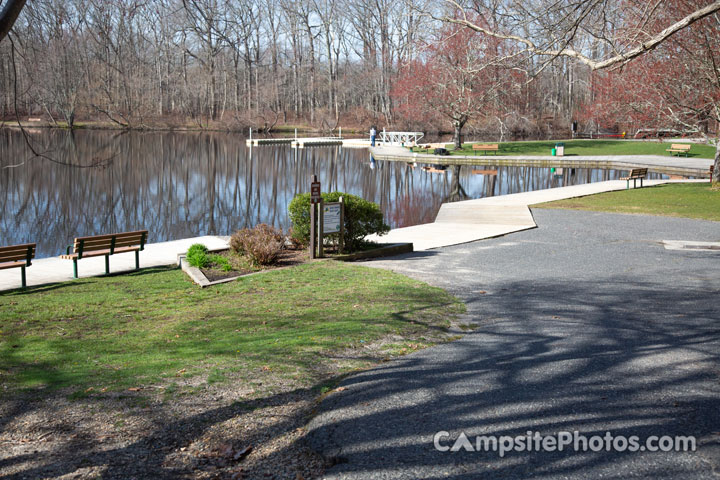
{"points": [[485, 147], [679, 148], [635, 175], [17, 256], [106, 245]]}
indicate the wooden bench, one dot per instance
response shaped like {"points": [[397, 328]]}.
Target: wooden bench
{"points": [[485, 147], [106, 245], [17, 256], [679, 148], [635, 175]]}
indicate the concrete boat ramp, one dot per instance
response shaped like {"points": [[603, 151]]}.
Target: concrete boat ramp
{"points": [[472, 220]]}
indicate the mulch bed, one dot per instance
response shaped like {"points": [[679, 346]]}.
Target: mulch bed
{"points": [[287, 258]]}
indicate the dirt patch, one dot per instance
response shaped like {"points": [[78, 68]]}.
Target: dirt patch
{"points": [[220, 432]]}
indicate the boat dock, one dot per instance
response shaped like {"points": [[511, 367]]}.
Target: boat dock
{"points": [[295, 142], [311, 142], [384, 139]]}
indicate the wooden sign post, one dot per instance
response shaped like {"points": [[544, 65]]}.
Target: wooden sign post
{"points": [[321, 252], [315, 200]]}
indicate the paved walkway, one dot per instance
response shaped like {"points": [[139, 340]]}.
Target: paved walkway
{"points": [[472, 220], [584, 324], [656, 163], [55, 269]]}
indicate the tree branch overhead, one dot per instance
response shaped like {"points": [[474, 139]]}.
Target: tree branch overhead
{"points": [[595, 63]]}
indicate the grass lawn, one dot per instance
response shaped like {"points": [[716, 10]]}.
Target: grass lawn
{"points": [[691, 200], [153, 326], [589, 147]]}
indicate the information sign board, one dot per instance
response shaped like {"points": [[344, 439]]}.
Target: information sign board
{"points": [[332, 217]]}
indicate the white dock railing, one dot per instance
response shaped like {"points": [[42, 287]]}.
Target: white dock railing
{"points": [[400, 138]]}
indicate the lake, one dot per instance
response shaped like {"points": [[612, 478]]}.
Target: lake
{"points": [[178, 184]]}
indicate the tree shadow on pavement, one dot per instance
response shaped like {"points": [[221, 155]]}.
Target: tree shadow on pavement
{"points": [[632, 358]]}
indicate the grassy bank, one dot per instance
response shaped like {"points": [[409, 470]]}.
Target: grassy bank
{"points": [[153, 326], [691, 200], [589, 147]]}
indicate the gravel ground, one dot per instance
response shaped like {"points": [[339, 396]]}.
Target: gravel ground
{"points": [[584, 324]]}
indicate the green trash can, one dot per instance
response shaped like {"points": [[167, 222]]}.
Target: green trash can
{"points": [[552, 152]]}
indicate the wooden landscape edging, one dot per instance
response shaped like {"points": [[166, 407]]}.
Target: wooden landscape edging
{"points": [[198, 277]]}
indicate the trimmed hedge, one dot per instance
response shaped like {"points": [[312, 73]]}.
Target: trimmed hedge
{"points": [[361, 218]]}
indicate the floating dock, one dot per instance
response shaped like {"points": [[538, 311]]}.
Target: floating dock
{"points": [[296, 142], [316, 142], [254, 142], [311, 142], [383, 139]]}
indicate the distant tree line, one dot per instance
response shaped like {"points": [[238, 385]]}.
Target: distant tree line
{"points": [[231, 61], [234, 63], [503, 66]]}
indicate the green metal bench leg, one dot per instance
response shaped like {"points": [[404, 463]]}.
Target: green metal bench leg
{"points": [[22, 277], [137, 260], [75, 275], [627, 184], [107, 264]]}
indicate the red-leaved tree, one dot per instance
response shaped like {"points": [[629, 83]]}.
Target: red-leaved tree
{"points": [[457, 77], [674, 87]]}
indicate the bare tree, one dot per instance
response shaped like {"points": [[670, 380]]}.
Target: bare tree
{"points": [[550, 29], [8, 14]]}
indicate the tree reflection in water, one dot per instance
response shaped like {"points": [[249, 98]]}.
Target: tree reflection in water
{"points": [[180, 185]]}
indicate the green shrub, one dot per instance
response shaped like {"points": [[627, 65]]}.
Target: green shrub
{"points": [[261, 244], [197, 255], [361, 218]]}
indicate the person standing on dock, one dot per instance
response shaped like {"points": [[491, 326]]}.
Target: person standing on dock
{"points": [[373, 134]]}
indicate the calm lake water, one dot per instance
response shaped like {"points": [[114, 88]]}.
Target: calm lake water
{"points": [[180, 185]]}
